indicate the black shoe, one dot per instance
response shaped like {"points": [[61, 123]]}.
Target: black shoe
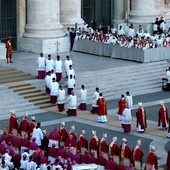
{"points": [[11, 62]]}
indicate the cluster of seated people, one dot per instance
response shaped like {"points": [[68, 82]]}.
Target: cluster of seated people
{"points": [[138, 38], [63, 149]]}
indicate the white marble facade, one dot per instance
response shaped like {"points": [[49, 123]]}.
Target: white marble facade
{"points": [[41, 24]]}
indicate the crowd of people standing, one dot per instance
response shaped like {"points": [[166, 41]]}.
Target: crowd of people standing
{"points": [[26, 146]]}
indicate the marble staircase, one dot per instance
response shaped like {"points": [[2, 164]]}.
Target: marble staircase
{"points": [[24, 93]]}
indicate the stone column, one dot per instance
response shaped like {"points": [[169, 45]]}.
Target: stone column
{"points": [[70, 12], [119, 11], [143, 11], [43, 19]]}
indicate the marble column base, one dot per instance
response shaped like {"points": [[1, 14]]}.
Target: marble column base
{"points": [[2, 51], [47, 45]]}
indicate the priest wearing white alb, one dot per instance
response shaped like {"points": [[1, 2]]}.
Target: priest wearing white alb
{"points": [[54, 86], [72, 105], [83, 98]]}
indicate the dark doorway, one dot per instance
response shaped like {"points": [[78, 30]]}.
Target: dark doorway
{"points": [[97, 12], [8, 20]]}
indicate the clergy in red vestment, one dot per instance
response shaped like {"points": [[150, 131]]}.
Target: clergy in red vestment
{"points": [[141, 118], [103, 147], [11, 138], [102, 109], [85, 157], [77, 157], [163, 117], [4, 136], [33, 146], [16, 159], [71, 142], [82, 142], [73, 133], [52, 154], [32, 125], [36, 155], [54, 138], [2, 147], [113, 147], [137, 153], [101, 161], [13, 122], [24, 125], [168, 160], [92, 159], [63, 134], [111, 165], [69, 153], [25, 143], [122, 106], [94, 144], [125, 151], [152, 159], [61, 152], [17, 142]]}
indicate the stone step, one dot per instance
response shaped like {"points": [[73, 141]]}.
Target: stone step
{"points": [[19, 89], [17, 84], [43, 101], [46, 105], [29, 91], [121, 73], [122, 76], [36, 94], [2, 68], [14, 74], [118, 86], [8, 72], [16, 79], [139, 68], [35, 98]]}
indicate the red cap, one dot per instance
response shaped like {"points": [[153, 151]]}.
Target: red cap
{"points": [[8, 37]]}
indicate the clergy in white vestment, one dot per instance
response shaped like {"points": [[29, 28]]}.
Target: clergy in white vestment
{"points": [[48, 80], [129, 100], [67, 62], [61, 99], [41, 66], [72, 105], [49, 64], [126, 120], [71, 84], [38, 134], [54, 86], [95, 98], [58, 68], [71, 71], [83, 98]]}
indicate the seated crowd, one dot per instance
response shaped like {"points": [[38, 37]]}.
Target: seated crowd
{"points": [[27, 147], [138, 38]]}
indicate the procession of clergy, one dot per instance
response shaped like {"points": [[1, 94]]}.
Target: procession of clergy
{"points": [[29, 143], [26, 146]]}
